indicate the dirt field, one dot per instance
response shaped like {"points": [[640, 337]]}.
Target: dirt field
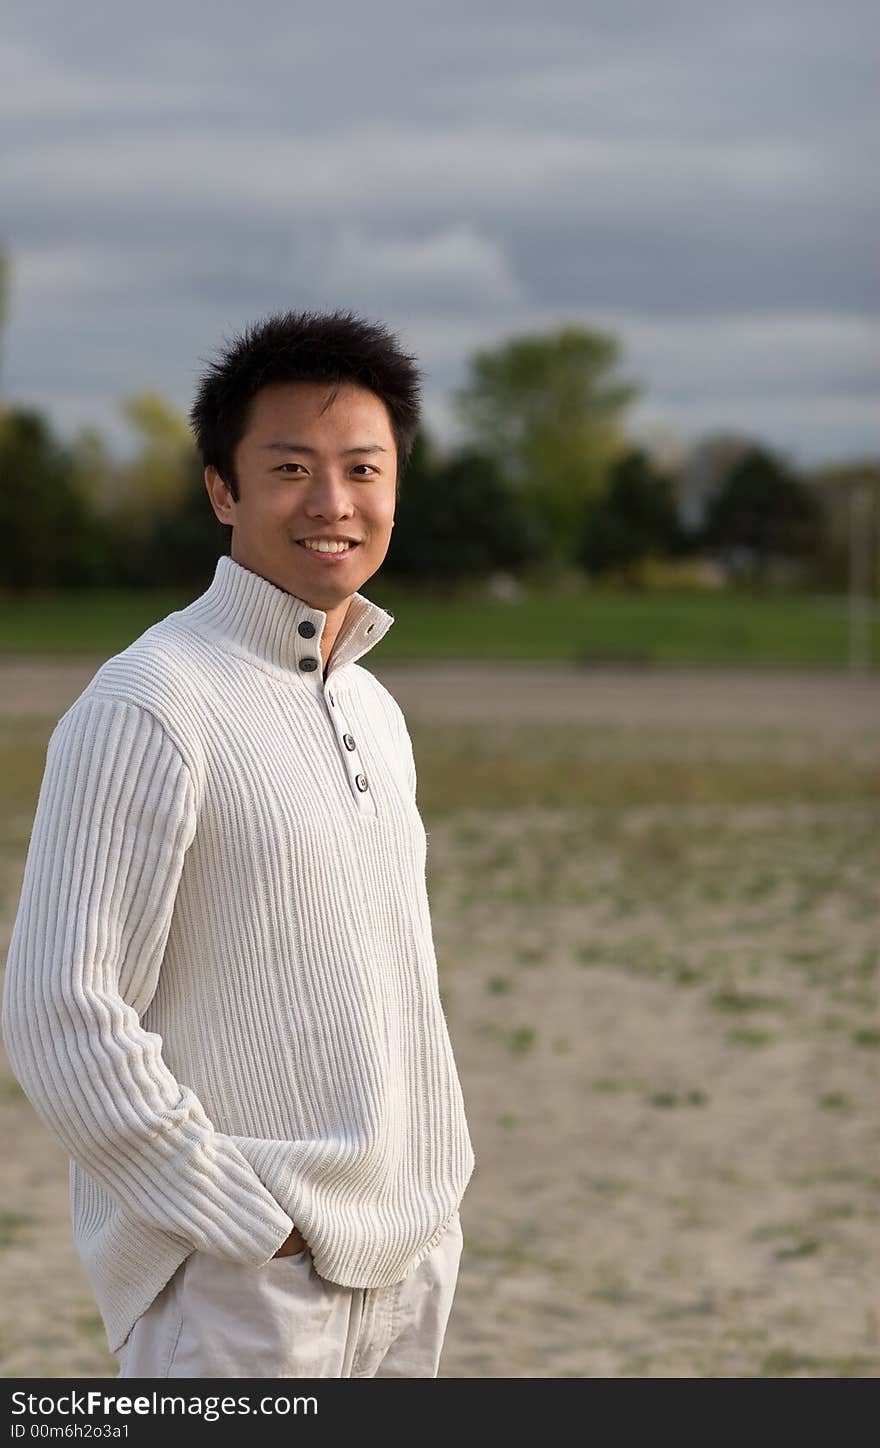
{"points": [[453, 693], [665, 1015]]}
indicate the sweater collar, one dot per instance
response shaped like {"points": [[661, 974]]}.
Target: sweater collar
{"points": [[248, 613]]}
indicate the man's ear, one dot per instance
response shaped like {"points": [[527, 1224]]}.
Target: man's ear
{"points": [[220, 495]]}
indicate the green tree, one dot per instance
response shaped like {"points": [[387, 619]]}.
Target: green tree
{"points": [[834, 482], [49, 538], [549, 413], [186, 541], [161, 517], [763, 512], [636, 517], [155, 479], [456, 518], [100, 476]]}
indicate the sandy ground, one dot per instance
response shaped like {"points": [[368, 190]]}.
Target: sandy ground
{"points": [[460, 693], [667, 1031]]}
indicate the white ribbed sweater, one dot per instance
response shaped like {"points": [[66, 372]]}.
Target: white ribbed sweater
{"points": [[221, 991]]}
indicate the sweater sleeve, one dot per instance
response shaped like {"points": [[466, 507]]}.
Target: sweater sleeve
{"points": [[115, 816]]}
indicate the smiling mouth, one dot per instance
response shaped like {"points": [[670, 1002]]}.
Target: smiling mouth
{"points": [[328, 549]]}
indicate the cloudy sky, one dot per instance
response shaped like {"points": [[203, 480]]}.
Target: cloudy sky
{"points": [[693, 176]]}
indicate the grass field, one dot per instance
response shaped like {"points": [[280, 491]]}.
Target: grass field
{"points": [[581, 626], [657, 931]]}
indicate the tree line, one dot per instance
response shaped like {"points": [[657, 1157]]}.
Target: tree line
{"points": [[545, 480]]}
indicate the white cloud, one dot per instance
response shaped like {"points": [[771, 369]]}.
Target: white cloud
{"points": [[457, 267]]}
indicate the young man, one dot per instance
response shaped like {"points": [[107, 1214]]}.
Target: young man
{"points": [[221, 991]]}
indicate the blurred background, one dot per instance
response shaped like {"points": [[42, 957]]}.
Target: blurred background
{"points": [[634, 576]]}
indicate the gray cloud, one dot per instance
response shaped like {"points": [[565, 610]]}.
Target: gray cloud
{"points": [[693, 178]]}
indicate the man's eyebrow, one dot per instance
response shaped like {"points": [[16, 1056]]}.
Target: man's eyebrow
{"points": [[372, 447]]}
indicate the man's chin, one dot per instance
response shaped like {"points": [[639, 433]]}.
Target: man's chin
{"points": [[321, 593]]}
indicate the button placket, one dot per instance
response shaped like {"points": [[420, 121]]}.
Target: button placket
{"points": [[356, 773]]}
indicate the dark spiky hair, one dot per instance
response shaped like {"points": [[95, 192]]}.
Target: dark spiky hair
{"points": [[333, 347]]}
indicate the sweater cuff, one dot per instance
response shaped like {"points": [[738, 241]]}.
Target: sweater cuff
{"points": [[267, 1242], [271, 1161]]}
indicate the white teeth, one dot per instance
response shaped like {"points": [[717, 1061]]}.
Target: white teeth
{"points": [[324, 545]]}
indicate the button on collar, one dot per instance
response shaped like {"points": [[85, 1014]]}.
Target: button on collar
{"points": [[262, 621], [308, 666]]}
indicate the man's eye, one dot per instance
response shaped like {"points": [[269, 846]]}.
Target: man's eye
{"points": [[282, 466]]}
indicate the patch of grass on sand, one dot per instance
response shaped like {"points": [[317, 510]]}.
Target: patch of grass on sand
{"points": [[679, 1098], [866, 1036], [750, 1036], [530, 954], [610, 1283], [12, 1227], [614, 1084], [806, 1247], [511, 1256], [519, 1040], [499, 985], [787, 1362], [835, 1101], [738, 1000]]}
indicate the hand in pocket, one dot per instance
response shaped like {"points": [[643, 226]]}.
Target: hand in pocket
{"points": [[294, 1244]]}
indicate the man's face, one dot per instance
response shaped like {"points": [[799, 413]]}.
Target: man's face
{"points": [[307, 474]]}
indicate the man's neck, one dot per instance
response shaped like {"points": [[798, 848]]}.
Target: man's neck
{"points": [[335, 620]]}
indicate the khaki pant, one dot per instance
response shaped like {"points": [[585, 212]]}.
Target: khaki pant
{"points": [[217, 1319]]}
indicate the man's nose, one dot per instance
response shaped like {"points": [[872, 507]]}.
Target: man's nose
{"points": [[329, 497]]}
